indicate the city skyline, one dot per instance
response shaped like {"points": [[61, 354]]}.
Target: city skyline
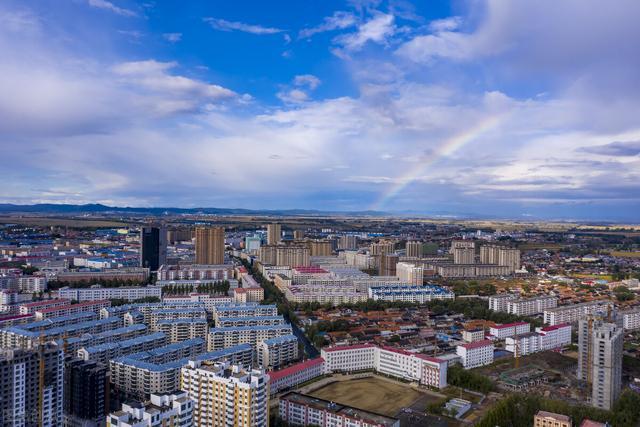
{"points": [[454, 108]]}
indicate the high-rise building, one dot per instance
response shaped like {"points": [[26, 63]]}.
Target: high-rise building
{"points": [[153, 247], [85, 385], [274, 234], [31, 389], [382, 247], [252, 244], [298, 234], [489, 254], [464, 255], [179, 235], [226, 394], [414, 249], [509, 257], [600, 359], [210, 245], [320, 247], [388, 263], [348, 242], [410, 273]]}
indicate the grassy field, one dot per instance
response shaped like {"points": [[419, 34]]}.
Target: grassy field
{"points": [[372, 394], [61, 222]]}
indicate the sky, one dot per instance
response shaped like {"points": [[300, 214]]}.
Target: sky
{"points": [[525, 109]]}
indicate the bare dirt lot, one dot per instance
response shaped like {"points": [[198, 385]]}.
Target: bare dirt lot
{"points": [[373, 394]]}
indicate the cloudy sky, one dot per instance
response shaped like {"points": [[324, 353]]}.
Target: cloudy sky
{"points": [[512, 109]]}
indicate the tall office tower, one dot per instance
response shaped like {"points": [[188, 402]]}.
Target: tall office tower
{"points": [[153, 247], [298, 234], [489, 254], [382, 247], [464, 255], [509, 257], [388, 264], [31, 386], [414, 249], [210, 245], [606, 364], [348, 242], [226, 394], [85, 385], [274, 234]]}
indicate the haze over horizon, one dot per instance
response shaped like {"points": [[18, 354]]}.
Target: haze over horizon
{"points": [[485, 107]]}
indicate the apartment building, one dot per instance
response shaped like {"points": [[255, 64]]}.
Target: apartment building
{"points": [[573, 313], [85, 386], [209, 301], [100, 293], [104, 352], [348, 242], [244, 310], [473, 335], [274, 234], [274, 353], [500, 302], [176, 314], [226, 394], [245, 295], [413, 249], [32, 307], [605, 364], [531, 306], [196, 272], [521, 345], [294, 375], [227, 322], [175, 409], [509, 329], [220, 338], [551, 419], [475, 354], [209, 245], [23, 403], [178, 330], [410, 293], [630, 319], [298, 409], [410, 273], [67, 310]]}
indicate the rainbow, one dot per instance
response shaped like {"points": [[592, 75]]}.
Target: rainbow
{"points": [[449, 147]]}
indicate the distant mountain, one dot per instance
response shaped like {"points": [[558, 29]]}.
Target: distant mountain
{"points": [[68, 209]]}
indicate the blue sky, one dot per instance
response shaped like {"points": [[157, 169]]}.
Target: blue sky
{"points": [[436, 107]]}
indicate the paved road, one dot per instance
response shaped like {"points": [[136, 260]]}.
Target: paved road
{"points": [[309, 348]]}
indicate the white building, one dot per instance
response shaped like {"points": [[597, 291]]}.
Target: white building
{"points": [[410, 293], [473, 335], [554, 337], [475, 354], [177, 330], [161, 410], [410, 273], [227, 394], [509, 329], [499, 302], [523, 344], [210, 301], [531, 306], [220, 338], [299, 373], [98, 292], [630, 319], [573, 313], [395, 362]]}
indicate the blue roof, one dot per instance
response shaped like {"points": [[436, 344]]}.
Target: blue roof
{"points": [[249, 318], [60, 330], [59, 319], [250, 328], [178, 321], [126, 343], [279, 340]]}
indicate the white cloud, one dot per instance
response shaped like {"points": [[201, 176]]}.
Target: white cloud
{"points": [[338, 21], [172, 37], [107, 5], [447, 24], [293, 96], [224, 25], [378, 29], [308, 80]]}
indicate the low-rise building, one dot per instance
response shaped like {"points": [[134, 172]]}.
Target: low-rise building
{"points": [[509, 329], [301, 410], [99, 293], [476, 354], [473, 335], [573, 313], [245, 295], [174, 409], [294, 375], [630, 319], [66, 310], [551, 419], [178, 330], [220, 338]]}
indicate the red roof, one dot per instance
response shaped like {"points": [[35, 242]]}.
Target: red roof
{"points": [[590, 423], [45, 303], [554, 327], [82, 304], [298, 367], [18, 316], [312, 269], [477, 344], [429, 358], [509, 325], [348, 347]]}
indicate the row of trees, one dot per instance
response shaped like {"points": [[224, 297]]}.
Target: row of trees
{"points": [[475, 308], [119, 301], [109, 283], [468, 379], [517, 410]]}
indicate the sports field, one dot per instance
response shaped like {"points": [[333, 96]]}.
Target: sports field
{"points": [[373, 394]]}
